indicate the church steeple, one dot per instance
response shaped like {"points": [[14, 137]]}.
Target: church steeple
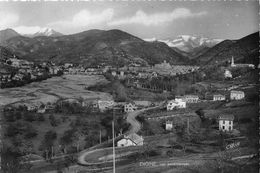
{"points": [[232, 62]]}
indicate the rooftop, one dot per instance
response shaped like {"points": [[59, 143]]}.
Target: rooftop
{"points": [[135, 138], [226, 117], [235, 91]]}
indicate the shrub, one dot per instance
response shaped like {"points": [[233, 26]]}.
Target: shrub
{"points": [[41, 118]]}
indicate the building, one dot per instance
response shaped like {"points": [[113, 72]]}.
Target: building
{"points": [[41, 110], [225, 122], [218, 97], [31, 107], [191, 98], [163, 66], [67, 65], [142, 103], [129, 107], [175, 104], [227, 74], [113, 73], [240, 65], [237, 95], [168, 125], [131, 140], [104, 105]]}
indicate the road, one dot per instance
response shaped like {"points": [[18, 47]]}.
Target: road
{"points": [[134, 128]]}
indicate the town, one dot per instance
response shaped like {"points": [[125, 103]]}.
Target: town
{"points": [[129, 87], [207, 111]]}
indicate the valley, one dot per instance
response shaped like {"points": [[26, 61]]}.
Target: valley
{"points": [[68, 100]]}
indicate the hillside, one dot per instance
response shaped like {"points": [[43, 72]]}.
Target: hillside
{"points": [[93, 47], [5, 53], [192, 55], [244, 50], [7, 34]]}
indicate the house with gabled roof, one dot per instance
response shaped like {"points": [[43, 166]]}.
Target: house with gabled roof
{"points": [[237, 95], [131, 140], [219, 97], [226, 122], [177, 103], [129, 107]]}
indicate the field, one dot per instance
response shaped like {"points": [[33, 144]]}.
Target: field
{"points": [[50, 90]]}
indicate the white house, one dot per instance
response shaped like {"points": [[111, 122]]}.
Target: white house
{"points": [[41, 109], [168, 125], [129, 107], [143, 103], [218, 97], [105, 104], [131, 140], [227, 74], [225, 122], [113, 73], [191, 98], [31, 107], [177, 103], [237, 95]]}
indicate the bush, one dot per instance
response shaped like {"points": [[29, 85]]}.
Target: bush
{"points": [[29, 117], [53, 121], [30, 135], [41, 118]]}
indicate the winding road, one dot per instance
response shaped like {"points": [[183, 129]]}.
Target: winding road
{"points": [[134, 128]]}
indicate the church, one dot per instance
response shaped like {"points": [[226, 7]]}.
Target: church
{"points": [[240, 65]]}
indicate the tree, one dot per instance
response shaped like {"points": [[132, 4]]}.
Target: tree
{"points": [[67, 137], [9, 160], [29, 117], [41, 118], [53, 121], [48, 141]]}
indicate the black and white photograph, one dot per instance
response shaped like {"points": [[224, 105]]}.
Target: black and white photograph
{"points": [[129, 86]]}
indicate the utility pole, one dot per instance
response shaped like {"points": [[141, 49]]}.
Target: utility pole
{"points": [[113, 133], [46, 152], [100, 136], [188, 125], [114, 164]]}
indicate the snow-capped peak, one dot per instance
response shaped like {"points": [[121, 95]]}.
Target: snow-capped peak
{"points": [[33, 31], [45, 32], [187, 43], [150, 39]]}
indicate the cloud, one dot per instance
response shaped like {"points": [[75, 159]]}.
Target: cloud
{"points": [[141, 17], [27, 29], [8, 20], [86, 18]]}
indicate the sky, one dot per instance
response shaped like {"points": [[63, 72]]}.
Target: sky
{"points": [[145, 19]]}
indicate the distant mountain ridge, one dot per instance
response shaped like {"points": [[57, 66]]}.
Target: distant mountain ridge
{"points": [[93, 47], [187, 43], [46, 32], [7, 34], [38, 31], [116, 47]]}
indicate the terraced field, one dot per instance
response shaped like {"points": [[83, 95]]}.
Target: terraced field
{"points": [[50, 90]]}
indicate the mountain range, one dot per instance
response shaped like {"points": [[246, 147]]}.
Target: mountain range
{"points": [[10, 33], [187, 45], [94, 47], [116, 47], [44, 32]]}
